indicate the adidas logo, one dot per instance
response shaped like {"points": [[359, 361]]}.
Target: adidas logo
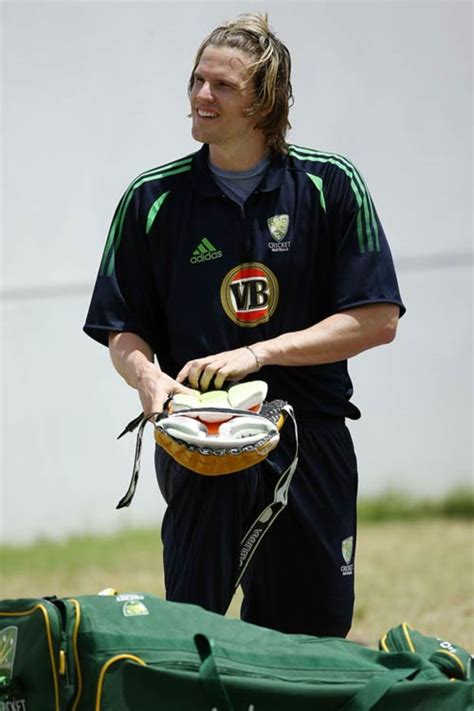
{"points": [[204, 252]]}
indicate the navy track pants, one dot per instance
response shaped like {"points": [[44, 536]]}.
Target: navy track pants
{"points": [[301, 578]]}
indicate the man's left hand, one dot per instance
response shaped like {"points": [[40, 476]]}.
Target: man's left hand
{"points": [[217, 369]]}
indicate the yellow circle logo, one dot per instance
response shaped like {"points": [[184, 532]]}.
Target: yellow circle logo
{"points": [[249, 294]]}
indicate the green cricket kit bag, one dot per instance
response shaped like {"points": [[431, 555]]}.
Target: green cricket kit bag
{"points": [[137, 652]]}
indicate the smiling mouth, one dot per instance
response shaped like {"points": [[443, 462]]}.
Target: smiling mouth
{"points": [[206, 114]]}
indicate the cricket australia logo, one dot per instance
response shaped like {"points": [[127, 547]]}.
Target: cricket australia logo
{"points": [[278, 227], [134, 608], [347, 550], [8, 638], [249, 294]]}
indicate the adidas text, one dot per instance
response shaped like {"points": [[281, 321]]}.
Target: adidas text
{"points": [[205, 257]]}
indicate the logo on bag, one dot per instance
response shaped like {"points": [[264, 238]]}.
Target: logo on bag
{"points": [[134, 608], [347, 549], [125, 597], [249, 294], [8, 638], [446, 646], [17, 705]]}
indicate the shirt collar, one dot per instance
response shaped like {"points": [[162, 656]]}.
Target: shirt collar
{"points": [[205, 185]]}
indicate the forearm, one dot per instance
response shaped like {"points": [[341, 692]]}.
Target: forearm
{"points": [[338, 337], [132, 358]]}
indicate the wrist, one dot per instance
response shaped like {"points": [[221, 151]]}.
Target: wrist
{"points": [[145, 373], [258, 363], [261, 354]]}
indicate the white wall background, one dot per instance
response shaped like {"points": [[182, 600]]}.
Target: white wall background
{"points": [[93, 94]]}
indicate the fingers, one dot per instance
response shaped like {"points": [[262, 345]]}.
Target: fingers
{"points": [[214, 371], [156, 391], [183, 373], [201, 373], [219, 379]]}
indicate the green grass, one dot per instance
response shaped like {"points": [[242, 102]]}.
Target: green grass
{"points": [[80, 551], [83, 564], [395, 505], [415, 563]]}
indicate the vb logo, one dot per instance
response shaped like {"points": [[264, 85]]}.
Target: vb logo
{"points": [[249, 294]]}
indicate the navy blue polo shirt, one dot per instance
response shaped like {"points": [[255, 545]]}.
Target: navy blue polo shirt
{"points": [[194, 273]]}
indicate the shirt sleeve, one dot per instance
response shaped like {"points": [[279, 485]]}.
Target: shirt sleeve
{"points": [[364, 269], [123, 296]]}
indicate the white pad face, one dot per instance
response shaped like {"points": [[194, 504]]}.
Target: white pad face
{"points": [[214, 398], [242, 430], [183, 402], [243, 396], [242, 427], [178, 426]]}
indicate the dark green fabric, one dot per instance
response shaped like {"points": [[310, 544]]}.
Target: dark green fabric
{"points": [[197, 660], [451, 659], [145, 688], [31, 675], [209, 675], [367, 697]]}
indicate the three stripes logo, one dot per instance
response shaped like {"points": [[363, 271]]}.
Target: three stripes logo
{"points": [[205, 252]]}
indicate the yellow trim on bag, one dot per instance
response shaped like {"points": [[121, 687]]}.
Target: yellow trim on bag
{"points": [[62, 662], [383, 643], [76, 653], [106, 667], [455, 657], [50, 643], [405, 628]]}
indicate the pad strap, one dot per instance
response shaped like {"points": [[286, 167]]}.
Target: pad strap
{"points": [[139, 422], [268, 516]]}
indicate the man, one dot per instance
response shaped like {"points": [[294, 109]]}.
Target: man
{"points": [[252, 256]]}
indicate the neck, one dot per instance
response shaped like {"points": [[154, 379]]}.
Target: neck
{"points": [[237, 159]]}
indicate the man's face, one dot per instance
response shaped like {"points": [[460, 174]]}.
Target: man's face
{"points": [[219, 96]]}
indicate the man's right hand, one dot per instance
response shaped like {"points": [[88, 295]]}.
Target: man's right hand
{"points": [[155, 387], [133, 359]]}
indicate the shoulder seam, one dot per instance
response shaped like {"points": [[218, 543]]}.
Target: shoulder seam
{"points": [[162, 171], [182, 165], [367, 228]]}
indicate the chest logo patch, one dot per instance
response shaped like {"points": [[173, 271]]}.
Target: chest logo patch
{"points": [[278, 226], [204, 252], [249, 294]]}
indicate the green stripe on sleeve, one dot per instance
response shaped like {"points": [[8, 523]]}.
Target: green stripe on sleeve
{"points": [[115, 233], [366, 222], [318, 182], [372, 217], [154, 209]]}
